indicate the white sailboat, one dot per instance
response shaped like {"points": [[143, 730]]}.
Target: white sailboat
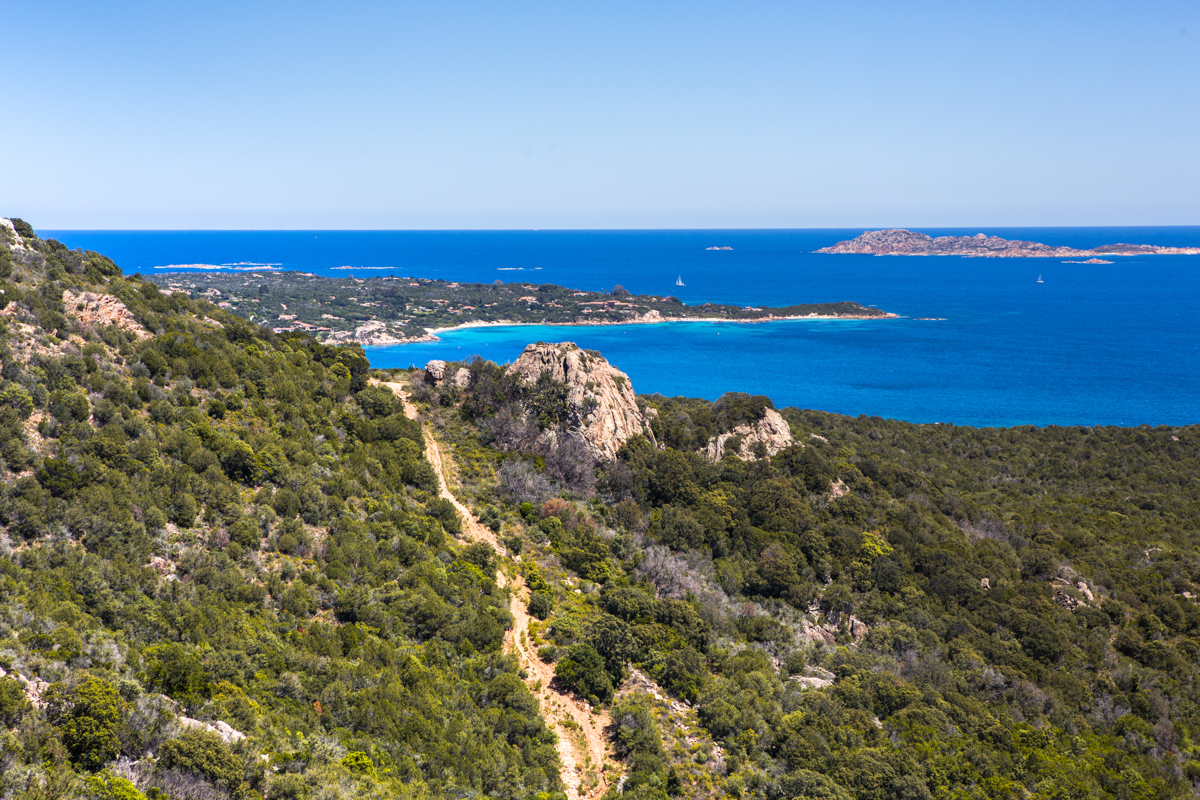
{"points": [[679, 281], [1039, 280]]}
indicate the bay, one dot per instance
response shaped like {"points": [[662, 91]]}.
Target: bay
{"points": [[1093, 344]]}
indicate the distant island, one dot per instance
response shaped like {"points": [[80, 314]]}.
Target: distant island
{"points": [[391, 310], [900, 242]]}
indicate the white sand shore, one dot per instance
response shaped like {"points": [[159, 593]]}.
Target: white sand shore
{"points": [[648, 320]]}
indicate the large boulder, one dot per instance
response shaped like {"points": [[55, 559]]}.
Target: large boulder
{"points": [[435, 372], [771, 431], [601, 403]]}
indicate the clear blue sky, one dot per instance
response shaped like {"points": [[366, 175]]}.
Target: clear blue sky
{"points": [[599, 115]]}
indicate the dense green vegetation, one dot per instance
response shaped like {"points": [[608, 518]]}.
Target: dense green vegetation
{"points": [[224, 572], [407, 307], [884, 609], [212, 521]]}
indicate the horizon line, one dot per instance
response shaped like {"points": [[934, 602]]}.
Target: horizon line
{"points": [[590, 230]]}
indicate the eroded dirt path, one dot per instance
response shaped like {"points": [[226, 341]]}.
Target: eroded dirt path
{"points": [[587, 765]]}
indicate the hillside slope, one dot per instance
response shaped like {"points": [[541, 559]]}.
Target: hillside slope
{"points": [[878, 609], [226, 569]]}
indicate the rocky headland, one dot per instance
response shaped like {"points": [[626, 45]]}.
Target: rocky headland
{"points": [[900, 242]]}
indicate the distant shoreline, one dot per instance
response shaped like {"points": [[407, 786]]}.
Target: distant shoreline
{"points": [[901, 242], [432, 333]]}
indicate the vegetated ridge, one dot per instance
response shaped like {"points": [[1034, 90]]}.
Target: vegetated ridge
{"points": [[582, 743], [899, 242], [227, 571], [389, 310]]}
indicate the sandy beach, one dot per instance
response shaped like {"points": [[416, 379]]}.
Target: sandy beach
{"points": [[646, 319]]}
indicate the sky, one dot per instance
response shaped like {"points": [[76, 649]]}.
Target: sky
{"points": [[473, 115]]}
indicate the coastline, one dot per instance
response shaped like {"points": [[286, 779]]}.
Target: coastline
{"points": [[432, 333]]}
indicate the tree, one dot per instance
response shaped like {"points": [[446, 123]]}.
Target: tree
{"points": [[13, 705], [583, 672], [240, 464], [613, 639], [177, 671], [24, 228], [88, 715]]}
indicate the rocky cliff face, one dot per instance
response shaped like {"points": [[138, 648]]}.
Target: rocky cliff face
{"points": [[769, 435], [600, 398]]}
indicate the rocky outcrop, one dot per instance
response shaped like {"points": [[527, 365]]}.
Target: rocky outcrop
{"points": [[435, 372], [102, 309], [600, 399], [228, 734], [899, 242], [34, 687], [771, 432]]}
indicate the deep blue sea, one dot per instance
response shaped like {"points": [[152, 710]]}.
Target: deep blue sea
{"points": [[1111, 344]]}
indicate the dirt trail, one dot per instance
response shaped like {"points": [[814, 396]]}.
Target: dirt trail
{"points": [[587, 766]]}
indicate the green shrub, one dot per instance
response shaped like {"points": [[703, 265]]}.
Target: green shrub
{"points": [[106, 786], [203, 753], [359, 762], [583, 672], [541, 604], [176, 670], [18, 397], [13, 704], [245, 532], [88, 715]]}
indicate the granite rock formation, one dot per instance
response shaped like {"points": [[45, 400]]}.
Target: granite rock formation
{"points": [[102, 309], [767, 436], [435, 372], [601, 403]]}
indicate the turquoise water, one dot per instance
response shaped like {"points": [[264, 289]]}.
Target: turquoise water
{"points": [[1093, 344]]}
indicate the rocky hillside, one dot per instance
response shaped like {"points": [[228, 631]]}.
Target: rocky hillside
{"points": [[224, 569], [226, 572]]}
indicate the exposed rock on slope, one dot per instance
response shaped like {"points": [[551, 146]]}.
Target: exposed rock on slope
{"points": [[600, 399], [435, 372], [771, 432], [102, 309], [899, 242]]}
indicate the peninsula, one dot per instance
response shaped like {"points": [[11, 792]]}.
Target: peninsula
{"points": [[900, 242], [391, 310]]}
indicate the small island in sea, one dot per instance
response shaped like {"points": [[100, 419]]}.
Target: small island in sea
{"points": [[900, 242], [392, 310]]}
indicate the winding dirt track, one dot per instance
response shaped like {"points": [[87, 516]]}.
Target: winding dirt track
{"points": [[587, 765]]}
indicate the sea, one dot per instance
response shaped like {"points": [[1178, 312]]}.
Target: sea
{"points": [[978, 341]]}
